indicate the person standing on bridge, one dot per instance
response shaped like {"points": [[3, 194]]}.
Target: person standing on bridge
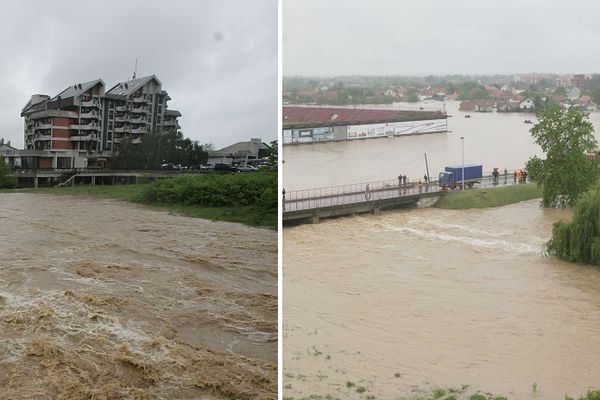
{"points": [[367, 193], [400, 180]]}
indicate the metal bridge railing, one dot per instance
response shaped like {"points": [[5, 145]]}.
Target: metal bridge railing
{"points": [[376, 190]]}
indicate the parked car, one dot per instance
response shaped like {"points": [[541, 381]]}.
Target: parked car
{"points": [[225, 168], [246, 168], [167, 167]]}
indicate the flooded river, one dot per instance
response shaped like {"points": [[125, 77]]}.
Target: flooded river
{"points": [[105, 300], [492, 139], [427, 298]]}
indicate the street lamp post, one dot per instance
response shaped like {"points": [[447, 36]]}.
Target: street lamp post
{"points": [[462, 140]]}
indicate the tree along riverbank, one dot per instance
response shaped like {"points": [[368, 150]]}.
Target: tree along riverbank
{"points": [[489, 197], [249, 199]]}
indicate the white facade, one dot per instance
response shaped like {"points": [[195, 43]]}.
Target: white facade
{"points": [[527, 104]]}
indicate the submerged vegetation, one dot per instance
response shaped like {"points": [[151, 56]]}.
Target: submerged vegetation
{"points": [[489, 197], [579, 240]]}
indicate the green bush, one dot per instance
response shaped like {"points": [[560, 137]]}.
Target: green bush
{"points": [[591, 395], [216, 190]]}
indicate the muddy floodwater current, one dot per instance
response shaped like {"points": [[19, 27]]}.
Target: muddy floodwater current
{"points": [[438, 298], [102, 299]]}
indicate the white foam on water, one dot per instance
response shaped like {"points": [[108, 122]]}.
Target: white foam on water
{"points": [[468, 240]]}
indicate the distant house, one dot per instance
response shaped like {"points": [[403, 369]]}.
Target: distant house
{"points": [[506, 106], [309, 92], [517, 98], [332, 95], [527, 104], [584, 99], [390, 93], [10, 154], [574, 93], [495, 93], [477, 105]]}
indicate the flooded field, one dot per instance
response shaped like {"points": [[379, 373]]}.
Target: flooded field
{"points": [[101, 299], [429, 298]]}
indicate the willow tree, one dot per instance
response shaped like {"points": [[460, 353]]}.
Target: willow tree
{"points": [[566, 172], [579, 240]]}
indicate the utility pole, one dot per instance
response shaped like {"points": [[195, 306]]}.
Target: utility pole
{"points": [[462, 139], [427, 168]]}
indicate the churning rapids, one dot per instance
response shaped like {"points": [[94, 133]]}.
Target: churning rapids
{"points": [[429, 297], [101, 299]]}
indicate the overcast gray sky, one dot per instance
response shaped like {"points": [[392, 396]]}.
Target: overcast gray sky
{"points": [[421, 37], [217, 59]]}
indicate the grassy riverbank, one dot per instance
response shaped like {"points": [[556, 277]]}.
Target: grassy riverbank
{"points": [[245, 198], [490, 197]]}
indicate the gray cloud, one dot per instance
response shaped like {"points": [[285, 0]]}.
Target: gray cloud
{"points": [[217, 59], [381, 37]]}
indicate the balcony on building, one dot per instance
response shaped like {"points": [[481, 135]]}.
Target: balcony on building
{"points": [[88, 126], [121, 129], [89, 114], [121, 108], [41, 137], [140, 99], [84, 138], [169, 122], [139, 110], [138, 119], [90, 102], [139, 130], [39, 126]]}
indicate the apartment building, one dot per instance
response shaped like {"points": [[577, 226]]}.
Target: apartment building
{"points": [[83, 125]]}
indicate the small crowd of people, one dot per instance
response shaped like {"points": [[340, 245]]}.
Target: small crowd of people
{"points": [[519, 175]]}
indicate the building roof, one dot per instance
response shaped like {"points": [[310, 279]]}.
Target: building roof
{"points": [[37, 102], [250, 146], [329, 116], [128, 88], [78, 89]]}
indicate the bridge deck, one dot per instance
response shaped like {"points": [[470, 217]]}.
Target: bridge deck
{"points": [[366, 197]]}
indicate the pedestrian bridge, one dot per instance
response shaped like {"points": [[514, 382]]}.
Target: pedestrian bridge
{"points": [[311, 205]]}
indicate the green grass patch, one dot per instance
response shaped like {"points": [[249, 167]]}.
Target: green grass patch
{"points": [[489, 197], [249, 199]]}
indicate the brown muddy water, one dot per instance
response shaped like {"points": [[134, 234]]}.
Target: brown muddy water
{"points": [[101, 299], [441, 298]]}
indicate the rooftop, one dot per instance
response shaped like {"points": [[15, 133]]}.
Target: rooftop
{"points": [[129, 87], [77, 89], [304, 117]]}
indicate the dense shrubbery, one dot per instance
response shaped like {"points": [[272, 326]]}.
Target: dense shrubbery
{"points": [[579, 240], [216, 190], [7, 181]]}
